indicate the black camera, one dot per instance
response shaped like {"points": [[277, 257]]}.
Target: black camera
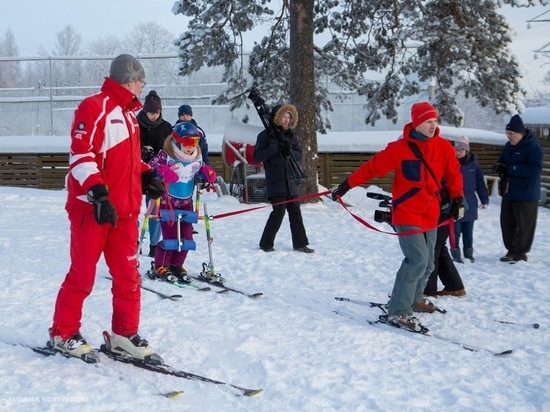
{"points": [[381, 216]]}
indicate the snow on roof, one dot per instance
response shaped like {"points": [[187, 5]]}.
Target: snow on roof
{"points": [[536, 116], [361, 142]]}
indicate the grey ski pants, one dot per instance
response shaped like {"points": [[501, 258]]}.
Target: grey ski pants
{"points": [[415, 270]]}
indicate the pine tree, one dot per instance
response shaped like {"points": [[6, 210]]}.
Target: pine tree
{"points": [[385, 50]]}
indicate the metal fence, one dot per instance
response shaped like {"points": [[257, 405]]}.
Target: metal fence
{"points": [[46, 107]]}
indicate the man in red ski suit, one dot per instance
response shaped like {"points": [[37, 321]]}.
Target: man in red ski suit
{"points": [[105, 185]]}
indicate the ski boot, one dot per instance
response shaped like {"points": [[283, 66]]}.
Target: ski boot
{"points": [[131, 346], [179, 274], [209, 275], [75, 346]]}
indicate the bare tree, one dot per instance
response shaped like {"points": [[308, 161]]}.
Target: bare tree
{"points": [[96, 70], [67, 72], [152, 38], [10, 72]]}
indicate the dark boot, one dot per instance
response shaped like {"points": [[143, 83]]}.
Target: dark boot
{"points": [[455, 253], [469, 254], [152, 250]]}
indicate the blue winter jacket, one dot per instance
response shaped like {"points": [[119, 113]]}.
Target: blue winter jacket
{"points": [[473, 183], [524, 160]]}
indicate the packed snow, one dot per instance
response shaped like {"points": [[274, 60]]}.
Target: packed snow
{"points": [[290, 342]]}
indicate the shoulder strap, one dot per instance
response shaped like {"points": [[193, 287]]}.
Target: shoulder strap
{"points": [[420, 156]]}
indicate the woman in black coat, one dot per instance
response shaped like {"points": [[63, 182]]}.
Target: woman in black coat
{"points": [[272, 152]]}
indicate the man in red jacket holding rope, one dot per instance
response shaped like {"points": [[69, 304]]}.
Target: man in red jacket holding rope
{"points": [[415, 206]]}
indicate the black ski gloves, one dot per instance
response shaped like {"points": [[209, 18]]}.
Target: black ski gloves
{"points": [[341, 189], [147, 153], [500, 169], [457, 208], [151, 184], [285, 147], [104, 212]]}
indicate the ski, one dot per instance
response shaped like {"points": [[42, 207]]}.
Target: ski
{"points": [[530, 325], [183, 285], [49, 351], [156, 292], [382, 306], [153, 367], [227, 288], [162, 295], [156, 364], [424, 331], [168, 370], [374, 304], [177, 284]]}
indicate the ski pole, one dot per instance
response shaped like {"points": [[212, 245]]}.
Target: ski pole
{"points": [[208, 240], [145, 223]]}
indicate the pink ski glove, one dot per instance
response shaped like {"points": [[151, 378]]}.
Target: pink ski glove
{"points": [[167, 174], [209, 173]]}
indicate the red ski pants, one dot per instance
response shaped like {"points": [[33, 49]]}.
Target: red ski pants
{"points": [[119, 247]]}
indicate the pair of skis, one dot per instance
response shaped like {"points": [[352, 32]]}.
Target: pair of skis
{"points": [[152, 364], [423, 331], [208, 274], [223, 288]]}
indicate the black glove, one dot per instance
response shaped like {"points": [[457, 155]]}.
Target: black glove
{"points": [[147, 153], [500, 169], [151, 184], [457, 208], [285, 147], [104, 212], [341, 189]]}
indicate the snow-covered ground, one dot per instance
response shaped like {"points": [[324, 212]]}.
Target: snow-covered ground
{"points": [[289, 342]]}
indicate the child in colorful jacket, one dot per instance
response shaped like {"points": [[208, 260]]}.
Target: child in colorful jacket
{"points": [[177, 163]]}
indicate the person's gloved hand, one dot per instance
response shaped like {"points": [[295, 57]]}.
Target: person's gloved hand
{"points": [[341, 189], [147, 153], [151, 184], [457, 208], [168, 174], [104, 212], [285, 147], [500, 168], [209, 173]]}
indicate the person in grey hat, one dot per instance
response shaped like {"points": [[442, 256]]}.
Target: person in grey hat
{"points": [[519, 167], [474, 187], [105, 183], [126, 69]]}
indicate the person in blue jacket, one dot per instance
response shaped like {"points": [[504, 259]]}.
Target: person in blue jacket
{"points": [[519, 167], [474, 184]]}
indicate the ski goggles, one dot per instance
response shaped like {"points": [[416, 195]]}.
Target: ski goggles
{"points": [[187, 140]]}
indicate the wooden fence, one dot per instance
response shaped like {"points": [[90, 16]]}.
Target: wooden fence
{"points": [[48, 170]]}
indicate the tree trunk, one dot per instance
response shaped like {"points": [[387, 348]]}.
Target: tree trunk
{"points": [[302, 88]]}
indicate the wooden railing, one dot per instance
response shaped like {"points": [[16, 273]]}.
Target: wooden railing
{"points": [[48, 170]]}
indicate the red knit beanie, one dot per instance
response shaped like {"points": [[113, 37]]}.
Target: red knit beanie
{"points": [[420, 112]]}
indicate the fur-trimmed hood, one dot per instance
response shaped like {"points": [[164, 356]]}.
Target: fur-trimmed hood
{"points": [[278, 111]]}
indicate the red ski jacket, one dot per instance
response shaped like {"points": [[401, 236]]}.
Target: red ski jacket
{"points": [[415, 193], [105, 148]]}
